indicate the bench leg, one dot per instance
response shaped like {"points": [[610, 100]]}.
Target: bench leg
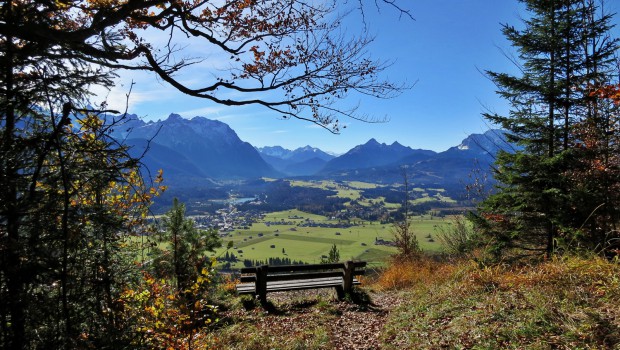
{"points": [[347, 281], [340, 292], [261, 284]]}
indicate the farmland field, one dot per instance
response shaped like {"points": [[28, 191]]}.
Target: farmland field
{"points": [[352, 223], [298, 236]]}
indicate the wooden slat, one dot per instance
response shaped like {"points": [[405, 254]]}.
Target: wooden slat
{"points": [[311, 267], [297, 277], [308, 281], [303, 276], [250, 288], [307, 284], [248, 278], [328, 280], [246, 288], [292, 276], [248, 270]]}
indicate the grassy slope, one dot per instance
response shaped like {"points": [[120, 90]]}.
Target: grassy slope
{"points": [[308, 244], [564, 304]]}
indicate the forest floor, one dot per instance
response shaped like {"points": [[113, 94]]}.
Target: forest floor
{"points": [[310, 320]]}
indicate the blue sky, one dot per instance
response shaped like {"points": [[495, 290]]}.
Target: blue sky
{"points": [[442, 52]]}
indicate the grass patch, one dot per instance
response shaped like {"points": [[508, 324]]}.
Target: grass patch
{"points": [[374, 255], [424, 199], [325, 240], [444, 199], [361, 185], [310, 243], [243, 244], [563, 304], [289, 215]]}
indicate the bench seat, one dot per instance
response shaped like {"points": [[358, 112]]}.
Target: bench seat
{"points": [[260, 280], [279, 286]]}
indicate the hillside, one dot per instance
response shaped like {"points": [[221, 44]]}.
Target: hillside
{"points": [[374, 162], [567, 303], [372, 154], [198, 154]]}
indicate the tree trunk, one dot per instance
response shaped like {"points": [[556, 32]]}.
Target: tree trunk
{"points": [[12, 263]]}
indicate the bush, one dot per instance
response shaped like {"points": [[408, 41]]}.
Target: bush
{"points": [[459, 238]]}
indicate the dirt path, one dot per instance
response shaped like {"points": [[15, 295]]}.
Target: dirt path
{"points": [[297, 317], [359, 328]]}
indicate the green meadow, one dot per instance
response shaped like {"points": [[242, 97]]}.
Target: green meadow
{"points": [[281, 234]]}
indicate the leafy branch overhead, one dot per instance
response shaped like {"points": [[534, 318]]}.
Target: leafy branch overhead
{"points": [[289, 56], [73, 199]]}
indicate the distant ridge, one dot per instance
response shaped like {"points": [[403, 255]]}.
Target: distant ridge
{"points": [[198, 146], [192, 152], [303, 161], [372, 154], [451, 168]]}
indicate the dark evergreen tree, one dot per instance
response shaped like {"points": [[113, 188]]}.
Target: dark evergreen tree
{"points": [[182, 254], [334, 255], [563, 50]]}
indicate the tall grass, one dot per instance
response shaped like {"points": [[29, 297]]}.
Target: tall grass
{"points": [[413, 273], [567, 303]]}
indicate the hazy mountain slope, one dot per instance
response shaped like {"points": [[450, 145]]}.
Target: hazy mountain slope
{"points": [[451, 168], [211, 146], [305, 168], [155, 157], [371, 154], [302, 161]]}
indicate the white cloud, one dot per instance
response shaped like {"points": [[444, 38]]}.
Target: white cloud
{"points": [[212, 112]]}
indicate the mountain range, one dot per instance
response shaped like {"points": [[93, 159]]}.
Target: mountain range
{"points": [[299, 162], [381, 163], [199, 150], [192, 149]]}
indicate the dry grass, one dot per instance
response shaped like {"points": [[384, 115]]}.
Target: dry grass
{"points": [[403, 274], [567, 303], [229, 284]]}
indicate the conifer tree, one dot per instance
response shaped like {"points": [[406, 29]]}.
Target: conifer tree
{"points": [[563, 50], [185, 246], [333, 255]]}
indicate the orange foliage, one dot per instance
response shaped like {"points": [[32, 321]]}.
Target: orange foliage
{"points": [[168, 319], [229, 284], [404, 274], [551, 274], [497, 218], [611, 92]]}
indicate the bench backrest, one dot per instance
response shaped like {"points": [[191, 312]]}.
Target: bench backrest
{"points": [[295, 272]]}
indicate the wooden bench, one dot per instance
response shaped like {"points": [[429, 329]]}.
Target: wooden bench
{"points": [[263, 279]]}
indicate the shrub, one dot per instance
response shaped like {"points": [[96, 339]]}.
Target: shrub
{"points": [[459, 238]]}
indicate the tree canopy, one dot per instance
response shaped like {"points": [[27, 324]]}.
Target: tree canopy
{"points": [[72, 199], [559, 187], [289, 56]]}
